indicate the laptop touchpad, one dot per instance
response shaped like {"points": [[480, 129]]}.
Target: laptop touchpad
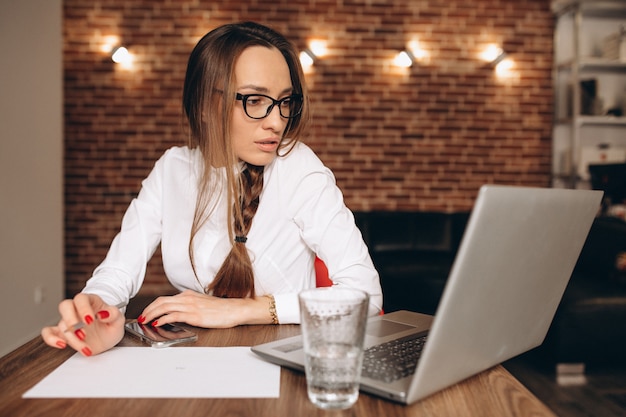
{"points": [[382, 328]]}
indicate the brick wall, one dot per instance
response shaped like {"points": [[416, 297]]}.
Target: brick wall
{"points": [[419, 139]]}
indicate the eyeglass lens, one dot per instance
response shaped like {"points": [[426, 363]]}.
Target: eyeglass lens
{"points": [[258, 106]]}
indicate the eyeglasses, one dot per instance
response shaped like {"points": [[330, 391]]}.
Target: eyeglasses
{"points": [[259, 106]]}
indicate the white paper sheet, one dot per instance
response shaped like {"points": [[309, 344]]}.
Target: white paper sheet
{"points": [[176, 372]]}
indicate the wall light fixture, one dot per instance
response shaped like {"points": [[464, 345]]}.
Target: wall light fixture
{"points": [[404, 59], [505, 69], [411, 55], [317, 49], [307, 58], [113, 48], [120, 55], [498, 59], [493, 54]]}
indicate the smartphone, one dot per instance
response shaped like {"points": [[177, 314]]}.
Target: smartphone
{"points": [[161, 336]]}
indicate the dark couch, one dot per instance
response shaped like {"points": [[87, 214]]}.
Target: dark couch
{"points": [[590, 324], [414, 251]]}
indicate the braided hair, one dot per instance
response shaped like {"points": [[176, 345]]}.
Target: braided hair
{"points": [[235, 278]]}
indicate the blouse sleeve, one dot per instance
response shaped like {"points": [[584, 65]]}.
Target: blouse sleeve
{"points": [[328, 228], [119, 277]]}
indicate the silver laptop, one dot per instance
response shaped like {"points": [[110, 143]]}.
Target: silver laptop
{"points": [[515, 259]]}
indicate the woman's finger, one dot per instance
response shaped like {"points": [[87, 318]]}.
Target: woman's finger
{"points": [[83, 304], [52, 336], [70, 320], [108, 314], [159, 307]]}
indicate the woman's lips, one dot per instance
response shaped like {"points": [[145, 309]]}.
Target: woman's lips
{"points": [[267, 145]]}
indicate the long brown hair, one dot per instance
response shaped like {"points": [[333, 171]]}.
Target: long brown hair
{"points": [[208, 100]]}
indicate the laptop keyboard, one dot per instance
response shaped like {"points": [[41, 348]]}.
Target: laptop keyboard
{"points": [[393, 360]]}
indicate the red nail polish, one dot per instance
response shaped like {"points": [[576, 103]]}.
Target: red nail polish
{"points": [[88, 319], [61, 344], [141, 319], [80, 334], [86, 351], [155, 323], [103, 314]]}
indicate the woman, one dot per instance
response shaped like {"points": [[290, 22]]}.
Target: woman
{"points": [[240, 213]]}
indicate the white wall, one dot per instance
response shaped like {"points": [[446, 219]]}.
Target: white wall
{"points": [[31, 168]]}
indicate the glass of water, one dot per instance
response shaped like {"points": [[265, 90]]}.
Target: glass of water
{"points": [[333, 321]]}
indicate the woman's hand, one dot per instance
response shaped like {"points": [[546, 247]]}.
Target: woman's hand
{"points": [[203, 310], [104, 325]]}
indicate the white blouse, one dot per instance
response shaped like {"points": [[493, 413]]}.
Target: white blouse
{"points": [[301, 213]]}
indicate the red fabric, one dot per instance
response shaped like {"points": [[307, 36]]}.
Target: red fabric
{"points": [[321, 274]]}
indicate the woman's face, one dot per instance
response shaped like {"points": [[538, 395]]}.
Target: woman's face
{"points": [[259, 70]]}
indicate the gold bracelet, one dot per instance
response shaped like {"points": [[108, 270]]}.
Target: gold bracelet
{"points": [[273, 314]]}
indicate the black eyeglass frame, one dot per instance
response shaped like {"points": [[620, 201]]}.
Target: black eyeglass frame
{"points": [[244, 100]]}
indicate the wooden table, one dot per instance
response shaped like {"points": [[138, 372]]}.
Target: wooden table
{"points": [[494, 392]]}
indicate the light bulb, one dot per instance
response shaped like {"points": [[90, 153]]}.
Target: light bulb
{"points": [[403, 59], [123, 57]]}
